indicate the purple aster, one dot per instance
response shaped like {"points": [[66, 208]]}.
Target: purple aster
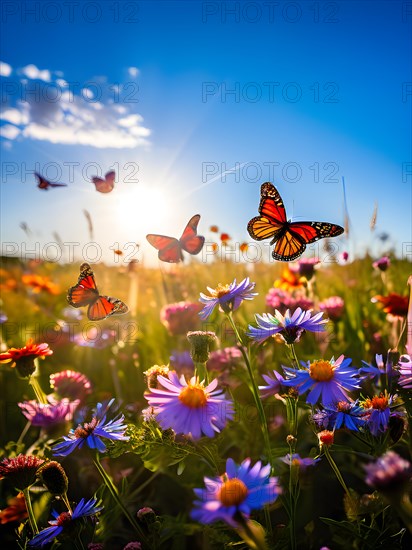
{"points": [[382, 264], [377, 413], [236, 493], [49, 414], [302, 463], [91, 434], [274, 382], [388, 472], [405, 371], [322, 419], [227, 297], [328, 381], [290, 327], [189, 407], [64, 522], [346, 415]]}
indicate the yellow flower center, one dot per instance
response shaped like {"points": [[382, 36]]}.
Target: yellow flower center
{"points": [[193, 397], [233, 492], [220, 290], [321, 371]]}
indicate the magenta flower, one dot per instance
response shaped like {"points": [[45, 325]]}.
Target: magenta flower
{"points": [[236, 493], [282, 300], [50, 414], [227, 297], [189, 407], [328, 381], [305, 267], [333, 307], [382, 264], [290, 327], [71, 384], [181, 317]]}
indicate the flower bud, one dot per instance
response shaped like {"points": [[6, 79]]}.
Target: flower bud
{"points": [[202, 344], [53, 476]]}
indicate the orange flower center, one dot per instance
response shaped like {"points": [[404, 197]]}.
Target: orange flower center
{"points": [[82, 432], [380, 403], [344, 406], [220, 291], [233, 492], [193, 397], [321, 371]]}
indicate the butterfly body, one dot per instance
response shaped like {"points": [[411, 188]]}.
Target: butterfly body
{"points": [[289, 238], [107, 184], [85, 293], [171, 249], [44, 184]]}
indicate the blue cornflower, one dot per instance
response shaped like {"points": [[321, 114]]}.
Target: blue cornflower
{"points": [[302, 463], [64, 522], [328, 381], [372, 372], [377, 413], [90, 433], [347, 415], [227, 297], [290, 327], [232, 496]]}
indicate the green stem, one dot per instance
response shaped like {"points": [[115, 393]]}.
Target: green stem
{"points": [[115, 494], [32, 519], [40, 395], [337, 472], [254, 390], [67, 503], [291, 348], [293, 496], [201, 372]]}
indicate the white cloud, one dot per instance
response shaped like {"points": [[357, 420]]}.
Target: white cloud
{"points": [[5, 69], [133, 72], [72, 117], [31, 71], [14, 116], [9, 132]]}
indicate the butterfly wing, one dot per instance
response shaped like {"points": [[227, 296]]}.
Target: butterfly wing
{"points": [[57, 184], [85, 291], [105, 185], [292, 243], [42, 183], [272, 219], [105, 306], [169, 248], [190, 241]]}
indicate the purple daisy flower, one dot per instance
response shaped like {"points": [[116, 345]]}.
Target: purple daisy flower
{"points": [[302, 463], [63, 521], [274, 383], [405, 371], [189, 407], [49, 414], [388, 472], [328, 381], [346, 415], [290, 327], [227, 297], [377, 412], [91, 434], [236, 493]]}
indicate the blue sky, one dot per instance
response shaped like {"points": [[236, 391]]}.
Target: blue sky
{"points": [[172, 94]]}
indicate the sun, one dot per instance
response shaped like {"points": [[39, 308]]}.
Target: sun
{"points": [[139, 210]]}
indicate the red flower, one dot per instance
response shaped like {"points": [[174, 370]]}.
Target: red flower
{"points": [[21, 470], [395, 304], [23, 358], [15, 511]]}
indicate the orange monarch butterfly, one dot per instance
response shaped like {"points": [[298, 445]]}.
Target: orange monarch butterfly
{"points": [[85, 293], [290, 238], [170, 249], [105, 185], [42, 183]]}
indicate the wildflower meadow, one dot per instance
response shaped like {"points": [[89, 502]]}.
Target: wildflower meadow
{"points": [[234, 405]]}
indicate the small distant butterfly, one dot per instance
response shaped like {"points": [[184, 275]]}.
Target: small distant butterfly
{"points": [[290, 238], [105, 185], [85, 293], [170, 249], [42, 183]]}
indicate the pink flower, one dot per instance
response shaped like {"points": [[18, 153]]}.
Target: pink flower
{"points": [[181, 317], [333, 307], [71, 384]]}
